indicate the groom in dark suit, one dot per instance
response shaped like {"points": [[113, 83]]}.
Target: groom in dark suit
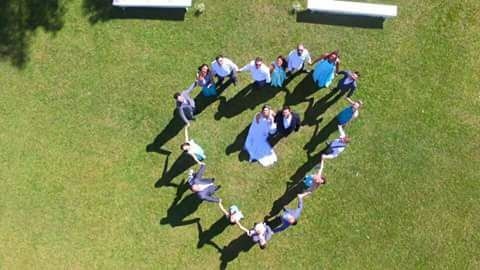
{"points": [[287, 122]]}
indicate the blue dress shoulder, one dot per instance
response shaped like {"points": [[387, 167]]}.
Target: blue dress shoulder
{"points": [[278, 76], [323, 73]]}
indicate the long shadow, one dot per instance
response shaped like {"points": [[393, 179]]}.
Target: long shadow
{"points": [[202, 102], [305, 88], [179, 210], [237, 145], [18, 22], [180, 165], [103, 10], [169, 131], [232, 251], [206, 237], [293, 188], [248, 97], [314, 110], [321, 136], [308, 16]]}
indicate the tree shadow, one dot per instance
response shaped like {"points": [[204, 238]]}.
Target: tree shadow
{"points": [[304, 88], [248, 97], [179, 210], [18, 22], [232, 251], [316, 17], [103, 10], [180, 165], [206, 237]]}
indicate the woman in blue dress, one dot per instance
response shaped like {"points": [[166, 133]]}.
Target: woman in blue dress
{"points": [[325, 70], [277, 71], [205, 80]]}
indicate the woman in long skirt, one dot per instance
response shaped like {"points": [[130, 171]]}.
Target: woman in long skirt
{"points": [[324, 72]]}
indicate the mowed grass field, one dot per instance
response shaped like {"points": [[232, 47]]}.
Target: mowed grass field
{"points": [[86, 115]]}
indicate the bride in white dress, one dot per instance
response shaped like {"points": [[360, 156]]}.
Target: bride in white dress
{"points": [[257, 144]]}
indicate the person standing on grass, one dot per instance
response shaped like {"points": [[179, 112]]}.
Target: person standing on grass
{"points": [[325, 70], [297, 58], [348, 84], [349, 113], [337, 146], [205, 80], [261, 233], [277, 70], [287, 121], [259, 71], [233, 214], [203, 187], [185, 104], [223, 67], [193, 149], [290, 216], [313, 181]]}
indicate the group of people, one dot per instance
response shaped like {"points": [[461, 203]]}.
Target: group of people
{"points": [[267, 125]]}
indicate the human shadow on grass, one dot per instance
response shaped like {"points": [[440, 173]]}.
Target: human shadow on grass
{"points": [[180, 165], [321, 136], [103, 10], [230, 252], [316, 109], [316, 17], [304, 88], [237, 145], [247, 98], [19, 21], [206, 237], [180, 208]]}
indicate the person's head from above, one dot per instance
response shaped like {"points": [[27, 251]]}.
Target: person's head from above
{"points": [[355, 75], [258, 62], [231, 217], [300, 49], [185, 147], [286, 111], [178, 97], [219, 59], [319, 179], [291, 220], [203, 69], [332, 57], [357, 104], [345, 139], [266, 110], [279, 61]]}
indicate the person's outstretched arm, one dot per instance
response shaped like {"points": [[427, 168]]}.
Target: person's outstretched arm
{"points": [[222, 208], [243, 228], [341, 131], [350, 100], [183, 116], [186, 133]]}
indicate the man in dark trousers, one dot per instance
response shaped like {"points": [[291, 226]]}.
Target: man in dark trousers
{"points": [[203, 187], [185, 104], [349, 82], [287, 122]]}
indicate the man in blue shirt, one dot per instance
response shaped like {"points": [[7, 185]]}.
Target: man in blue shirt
{"points": [[290, 216], [349, 82], [337, 146]]}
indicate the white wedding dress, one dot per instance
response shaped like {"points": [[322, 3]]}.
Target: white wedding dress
{"points": [[257, 144]]}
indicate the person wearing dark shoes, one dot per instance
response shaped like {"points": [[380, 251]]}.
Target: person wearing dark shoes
{"points": [[287, 122], [203, 187]]}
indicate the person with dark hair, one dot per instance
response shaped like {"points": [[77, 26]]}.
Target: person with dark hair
{"points": [[185, 104], [277, 71], [297, 58], [259, 71], [349, 82], [324, 72], [261, 233], [223, 67], [290, 216], [287, 121], [205, 80], [202, 187], [191, 148]]}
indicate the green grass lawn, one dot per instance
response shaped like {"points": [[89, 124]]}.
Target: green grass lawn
{"points": [[84, 97]]}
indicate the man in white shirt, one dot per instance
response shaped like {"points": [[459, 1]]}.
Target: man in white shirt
{"points": [[223, 67], [259, 71], [296, 59]]}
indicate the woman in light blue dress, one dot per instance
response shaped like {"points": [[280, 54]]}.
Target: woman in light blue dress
{"points": [[325, 70], [277, 71], [205, 80]]}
